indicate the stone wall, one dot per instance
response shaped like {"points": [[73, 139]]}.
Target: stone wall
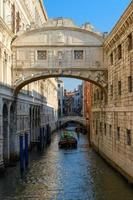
{"points": [[112, 120]]}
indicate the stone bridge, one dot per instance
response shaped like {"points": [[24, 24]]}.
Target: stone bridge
{"points": [[78, 119], [59, 49]]}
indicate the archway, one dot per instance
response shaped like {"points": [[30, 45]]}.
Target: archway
{"points": [[56, 73], [5, 135]]}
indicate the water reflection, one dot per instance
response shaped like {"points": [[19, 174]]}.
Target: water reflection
{"points": [[78, 174]]}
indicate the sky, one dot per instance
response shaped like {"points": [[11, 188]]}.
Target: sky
{"points": [[102, 14]]}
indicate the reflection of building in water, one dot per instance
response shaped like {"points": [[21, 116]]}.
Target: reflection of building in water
{"points": [[73, 102]]}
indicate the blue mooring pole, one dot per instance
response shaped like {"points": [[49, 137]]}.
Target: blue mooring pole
{"points": [[26, 151], [21, 154]]}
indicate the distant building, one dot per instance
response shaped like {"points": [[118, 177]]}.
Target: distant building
{"points": [[87, 100], [60, 97], [73, 101]]}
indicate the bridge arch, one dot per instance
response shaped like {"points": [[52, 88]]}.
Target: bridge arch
{"points": [[77, 119], [56, 73]]}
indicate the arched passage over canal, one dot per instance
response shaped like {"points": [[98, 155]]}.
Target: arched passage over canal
{"points": [[59, 49]]}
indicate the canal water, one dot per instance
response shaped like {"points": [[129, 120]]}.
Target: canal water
{"points": [[56, 174]]}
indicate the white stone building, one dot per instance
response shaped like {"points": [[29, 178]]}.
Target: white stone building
{"points": [[35, 105]]}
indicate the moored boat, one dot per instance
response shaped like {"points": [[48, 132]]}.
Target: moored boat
{"points": [[68, 140]]}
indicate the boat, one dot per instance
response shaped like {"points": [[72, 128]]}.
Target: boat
{"points": [[68, 139]]}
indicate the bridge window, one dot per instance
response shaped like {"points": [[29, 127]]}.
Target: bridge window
{"points": [[41, 55], [128, 137], [78, 54]]}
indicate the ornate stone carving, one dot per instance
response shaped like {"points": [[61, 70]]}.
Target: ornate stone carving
{"points": [[60, 37]]}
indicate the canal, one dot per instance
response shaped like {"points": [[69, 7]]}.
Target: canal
{"points": [[55, 174]]}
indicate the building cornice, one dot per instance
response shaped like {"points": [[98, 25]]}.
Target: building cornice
{"points": [[121, 26], [76, 29]]}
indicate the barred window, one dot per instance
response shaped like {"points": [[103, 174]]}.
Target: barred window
{"points": [[118, 133], [119, 87], [130, 42], [111, 59], [110, 129], [130, 84], [101, 127], [105, 128], [41, 55], [119, 52], [128, 137], [102, 95], [78, 54], [111, 90], [96, 127]]}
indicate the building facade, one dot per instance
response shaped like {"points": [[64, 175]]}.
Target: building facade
{"points": [[112, 113], [73, 102], [87, 100], [60, 97], [35, 107]]}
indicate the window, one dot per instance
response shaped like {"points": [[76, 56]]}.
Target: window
{"points": [[119, 87], [78, 54], [101, 127], [118, 133], [111, 90], [119, 52], [97, 95], [105, 129], [130, 84], [111, 58], [96, 127], [102, 95], [94, 97], [128, 137], [41, 55], [130, 42], [110, 129], [17, 22]]}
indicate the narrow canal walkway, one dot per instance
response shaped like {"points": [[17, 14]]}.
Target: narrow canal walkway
{"points": [[65, 175]]}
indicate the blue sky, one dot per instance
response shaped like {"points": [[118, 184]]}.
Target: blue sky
{"points": [[102, 14]]}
